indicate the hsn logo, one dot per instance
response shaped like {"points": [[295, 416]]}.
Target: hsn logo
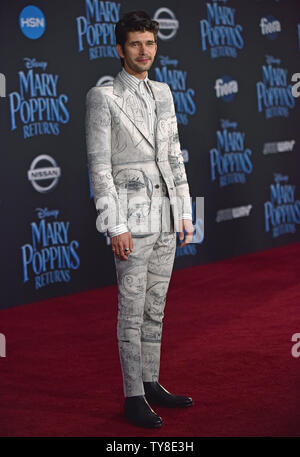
{"points": [[32, 22]]}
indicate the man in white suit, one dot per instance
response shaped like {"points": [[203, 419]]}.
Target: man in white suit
{"points": [[142, 198]]}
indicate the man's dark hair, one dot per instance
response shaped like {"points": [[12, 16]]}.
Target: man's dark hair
{"points": [[134, 21]]}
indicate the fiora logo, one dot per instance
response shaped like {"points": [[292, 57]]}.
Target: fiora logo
{"points": [[168, 25], [32, 22], [48, 174], [270, 27], [226, 88]]}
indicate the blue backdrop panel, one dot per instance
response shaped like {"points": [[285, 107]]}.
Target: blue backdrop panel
{"points": [[229, 65]]}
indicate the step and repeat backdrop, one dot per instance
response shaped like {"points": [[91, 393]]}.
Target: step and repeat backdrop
{"points": [[230, 66]]}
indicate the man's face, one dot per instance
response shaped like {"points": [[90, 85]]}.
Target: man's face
{"points": [[139, 52]]}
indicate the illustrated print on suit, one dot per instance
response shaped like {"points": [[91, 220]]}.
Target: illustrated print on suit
{"points": [[143, 282], [118, 141], [125, 160], [141, 194]]}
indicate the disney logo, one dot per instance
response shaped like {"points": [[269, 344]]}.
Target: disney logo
{"points": [[279, 177], [32, 63], [226, 123], [271, 59], [44, 212], [164, 60]]}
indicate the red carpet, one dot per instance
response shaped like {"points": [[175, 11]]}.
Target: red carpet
{"points": [[226, 342]]}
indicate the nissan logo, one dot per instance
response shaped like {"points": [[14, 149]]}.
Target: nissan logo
{"points": [[168, 26], [44, 169]]}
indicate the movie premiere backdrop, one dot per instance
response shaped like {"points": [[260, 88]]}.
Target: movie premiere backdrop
{"points": [[229, 64]]}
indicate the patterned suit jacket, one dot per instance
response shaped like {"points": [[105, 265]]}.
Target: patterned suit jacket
{"points": [[124, 159]]}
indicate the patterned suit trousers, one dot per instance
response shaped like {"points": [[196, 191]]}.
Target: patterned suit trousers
{"points": [[143, 282]]}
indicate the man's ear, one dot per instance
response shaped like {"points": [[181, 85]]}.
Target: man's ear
{"points": [[120, 50]]}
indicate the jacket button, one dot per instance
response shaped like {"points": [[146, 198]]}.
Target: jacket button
{"points": [[156, 186]]}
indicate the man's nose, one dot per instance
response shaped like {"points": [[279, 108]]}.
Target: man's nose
{"points": [[142, 49]]}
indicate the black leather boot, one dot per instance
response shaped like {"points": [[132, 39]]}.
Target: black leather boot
{"points": [[139, 412], [157, 394]]}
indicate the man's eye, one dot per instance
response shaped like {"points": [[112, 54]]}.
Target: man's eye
{"points": [[151, 43]]}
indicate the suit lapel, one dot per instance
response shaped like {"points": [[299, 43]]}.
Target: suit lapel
{"points": [[127, 103], [161, 102]]}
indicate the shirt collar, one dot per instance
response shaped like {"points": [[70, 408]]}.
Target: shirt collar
{"points": [[132, 82]]}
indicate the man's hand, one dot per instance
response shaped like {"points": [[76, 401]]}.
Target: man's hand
{"points": [[187, 225], [121, 242]]}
